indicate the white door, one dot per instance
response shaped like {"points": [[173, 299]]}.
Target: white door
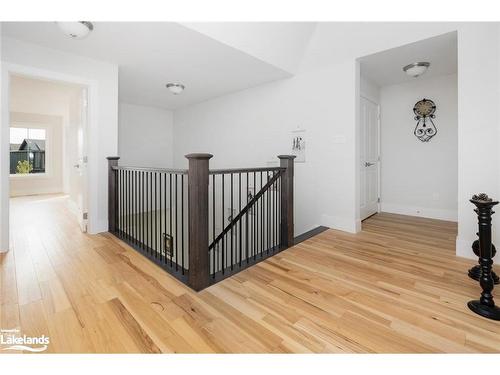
{"points": [[369, 158], [79, 178]]}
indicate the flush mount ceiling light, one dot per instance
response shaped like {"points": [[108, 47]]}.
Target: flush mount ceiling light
{"points": [[77, 29], [175, 88], [416, 69]]}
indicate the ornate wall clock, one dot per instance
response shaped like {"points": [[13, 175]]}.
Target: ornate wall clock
{"points": [[424, 113]]}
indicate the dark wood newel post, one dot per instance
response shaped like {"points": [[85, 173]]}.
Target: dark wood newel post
{"points": [[199, 266], [287, 231], [485, 306], [112, 199]]}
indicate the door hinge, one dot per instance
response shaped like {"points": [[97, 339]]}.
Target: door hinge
{"points": [[378, 200], [85, 215]]}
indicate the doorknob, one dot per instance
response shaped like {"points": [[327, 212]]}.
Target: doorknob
{"points": [[368, 164]]}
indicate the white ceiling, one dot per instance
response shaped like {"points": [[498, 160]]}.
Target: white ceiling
{"points": [[151, 54], [386, 68]]}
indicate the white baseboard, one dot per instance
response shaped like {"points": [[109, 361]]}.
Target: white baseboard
{"points": [[340, 223], [431, 213]]}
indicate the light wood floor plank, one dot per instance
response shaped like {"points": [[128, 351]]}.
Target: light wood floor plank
{"points": [[396, 287]]}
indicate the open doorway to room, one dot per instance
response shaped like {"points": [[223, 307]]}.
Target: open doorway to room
{"points": [[47, 163], [408, 149]]}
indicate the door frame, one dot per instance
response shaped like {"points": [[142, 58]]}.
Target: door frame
{"points": [[9, 69], [379, 161]]}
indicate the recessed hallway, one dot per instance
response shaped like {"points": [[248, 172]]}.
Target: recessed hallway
{"points": [[395, 287]]}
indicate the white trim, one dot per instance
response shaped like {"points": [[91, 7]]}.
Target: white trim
{"points": [[92, 128], [431, 213]]}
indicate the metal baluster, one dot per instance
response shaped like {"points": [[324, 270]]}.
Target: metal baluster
{"points": [[160, 226], [223, 250], [241, 219], [170, 211], [119, 201], [261, 218], [146, 210], [143, 211], [151, 211], [254, 207], [176, 234], [165, 218], [182, 220], [231, 216], [213, 225], [128, 205], [246, 224]]}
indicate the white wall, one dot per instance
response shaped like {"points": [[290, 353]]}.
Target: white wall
{"points": [[250, 128], [102, 80], [145, 136], [478, 126], [419, 178]]}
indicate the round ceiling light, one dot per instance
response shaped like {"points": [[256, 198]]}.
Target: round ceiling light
{"points": [[175, 88], [416, 69], [76, 30]]}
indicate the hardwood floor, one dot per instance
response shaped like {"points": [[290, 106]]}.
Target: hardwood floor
{"points": [[394, 287]]}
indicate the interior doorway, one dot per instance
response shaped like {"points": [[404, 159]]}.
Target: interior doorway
{"points": [[408, 154], [47, 146]]}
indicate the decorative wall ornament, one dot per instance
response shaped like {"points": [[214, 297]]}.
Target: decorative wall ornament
{"points": [[298, 143], [424, 113]]}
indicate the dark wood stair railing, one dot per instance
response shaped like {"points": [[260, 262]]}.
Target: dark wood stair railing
{"points": [[228, 220]]}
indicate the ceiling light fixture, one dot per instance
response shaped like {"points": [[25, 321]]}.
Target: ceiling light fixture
{"points": [[175, 88], [77, 29], [416, 69]]}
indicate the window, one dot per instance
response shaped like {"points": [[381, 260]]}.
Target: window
{"points": [[27, 150]]}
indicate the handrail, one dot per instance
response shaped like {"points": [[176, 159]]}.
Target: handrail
{"points": [[245, 170], [247, 207], [150, 169]]}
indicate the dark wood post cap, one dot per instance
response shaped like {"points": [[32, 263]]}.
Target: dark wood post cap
{"points": [[113, 157], [198, 156], [287, 156]]}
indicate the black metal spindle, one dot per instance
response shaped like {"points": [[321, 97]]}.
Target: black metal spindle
{"points": [[182, 221], [142, 208], [176, 226], [246, 226], [161, 220], [255, 207], [151, 213], [231, 217], [170, 212], [239, 200], [223, 249], [262, 218], [213, 225], [165, 218]]}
